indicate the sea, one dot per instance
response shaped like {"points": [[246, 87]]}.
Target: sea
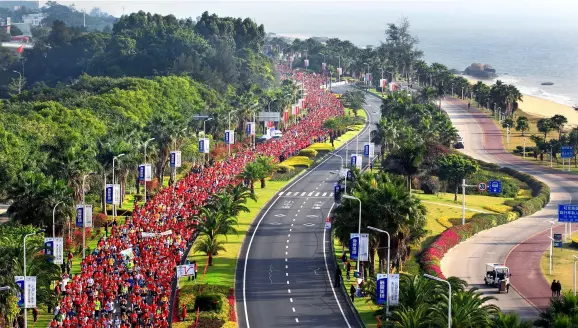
{"points": [[525, 58]]}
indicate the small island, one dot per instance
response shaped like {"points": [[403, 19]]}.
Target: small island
{"points": [[483, 71]]}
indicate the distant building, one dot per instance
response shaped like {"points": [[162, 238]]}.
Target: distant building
{"points": [[33, 19], [17, 4], [24, 27]]}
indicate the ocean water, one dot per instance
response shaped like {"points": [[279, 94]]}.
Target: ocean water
{"points": [[524, 58]]}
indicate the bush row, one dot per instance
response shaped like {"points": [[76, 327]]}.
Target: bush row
{"points": [[431, 256]]}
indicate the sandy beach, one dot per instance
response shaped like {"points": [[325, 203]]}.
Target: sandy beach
{"points": [[540, 107]]}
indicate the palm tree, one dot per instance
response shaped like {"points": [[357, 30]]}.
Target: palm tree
{"points": [[427, 95], [509, 320], [522, 124], [469, 309], [209, 246], [567, 305], [241, 193], [251, 172], [267, 168], [411, 317], [225, 203], [213, 223]]}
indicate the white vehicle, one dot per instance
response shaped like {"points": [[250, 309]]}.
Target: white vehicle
{"points": [[277, 134], [459, 143], [498, 275]]}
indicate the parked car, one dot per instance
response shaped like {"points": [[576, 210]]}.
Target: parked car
{"points": [[459, 143]]}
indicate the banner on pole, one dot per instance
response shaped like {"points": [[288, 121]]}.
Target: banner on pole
{"points": [[49, 248], [354, 246], [285, 116], [293, 110], [381, 288], [187, 270], [356, 160], [269, 116], [339, 70], [58, 250], [204, 146], [369, 150], [323, 66], [306, 62], [393, 289], [383, 83], [229, 137], [145, 172], [87, 216], [79, 215], [27, 293], [364, 247], [112, 194], [250, 129], [175, 158]]}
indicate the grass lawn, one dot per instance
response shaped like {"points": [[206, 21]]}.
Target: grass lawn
{"points": [[44, 318], [222, 273], [562, 264], [365, 306]]}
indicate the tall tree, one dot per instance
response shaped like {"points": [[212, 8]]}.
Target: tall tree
{"points": [[454, 168]]}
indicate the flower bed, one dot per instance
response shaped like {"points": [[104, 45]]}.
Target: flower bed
{"points": [[431, 256]]}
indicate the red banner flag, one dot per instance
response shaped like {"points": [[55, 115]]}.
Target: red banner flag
{"points": [[20, 49], [285, 116]]}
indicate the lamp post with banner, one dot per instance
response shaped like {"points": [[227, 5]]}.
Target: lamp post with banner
{"points": [[358, 226], [83, 211], [228, 143], [114, 185], [145, 168], [449, 296], [24, 267], [387, 271]]}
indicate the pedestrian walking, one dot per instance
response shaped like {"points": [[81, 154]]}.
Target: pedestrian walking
{"points": [[352, 293], [35, 314], [348, 270], [344, 257], [558, 288], [337, 276], [553, 288]]}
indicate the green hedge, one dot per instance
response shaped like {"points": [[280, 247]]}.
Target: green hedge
{"points": [[308, 152]]}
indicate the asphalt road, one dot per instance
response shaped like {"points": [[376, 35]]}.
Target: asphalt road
{"points": [[285, 269], [500, 244]]}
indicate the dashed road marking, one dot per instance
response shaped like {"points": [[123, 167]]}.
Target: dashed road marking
{"points": [[317, 194], [293, 309], [291, 299], [289, 193], [303, 193], [287, 282], [311, 193], [324, 194], [296, 320]]}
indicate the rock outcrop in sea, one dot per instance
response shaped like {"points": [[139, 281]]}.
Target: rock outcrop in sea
{"points": [[481, 70]]}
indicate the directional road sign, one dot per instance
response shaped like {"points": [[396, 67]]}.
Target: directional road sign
{"points": [[566, 152], [558, 240], [495, 187], [567, 213]]}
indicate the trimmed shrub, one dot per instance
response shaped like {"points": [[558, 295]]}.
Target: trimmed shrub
{"points": [[209, 302], [497, 208], [321, 147], [308, 152], [298, 161], [139, 197], [445, 222], [281, 168], [183, 324], [187, 298], [209, 322], [230, 324]]}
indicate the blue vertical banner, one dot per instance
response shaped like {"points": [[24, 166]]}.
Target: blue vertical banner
{"points": [[19, 280], [366, 150], [109, 191], [227, 137], [354, 246], [49, 249], [381, 288], [141, 172], [353, 161], [201, 146], [79, 216]]}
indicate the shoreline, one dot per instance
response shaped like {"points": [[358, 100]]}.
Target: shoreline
{"points": [[539, 107]]}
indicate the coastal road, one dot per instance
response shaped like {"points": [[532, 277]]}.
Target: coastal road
{"points": [[511, 243], [285, 271]]}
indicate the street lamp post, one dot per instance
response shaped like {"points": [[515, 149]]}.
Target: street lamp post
{"points": [[19, 82], [25, 289], [358, 227], [345, 189], [575, 258], [552, 223], [145, 168], [205, 133], [449, 296], [4, 288], [113, 185], [464, 186], [174, 169], [508, 135], [387, 271], [54, 219], [83, 230]]}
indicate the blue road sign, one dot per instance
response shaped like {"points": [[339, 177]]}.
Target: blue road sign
{"points": [[495, 187], [567, 213], [366, 150], [566, 152], [558, 240]]}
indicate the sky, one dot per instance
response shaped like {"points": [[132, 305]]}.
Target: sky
{"points": [[366, 20]]}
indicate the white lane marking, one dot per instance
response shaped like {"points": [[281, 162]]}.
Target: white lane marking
{"points": [[311, 216], [289, 235], [287, 246], [280, 215], [289, 290], [303, 193], [295, 215], [296, 320], [293, 309], [287, 282], [324, 194], [329, 274], [309, 195], [287, 240], [286, 266], [285, 260], [291, 299], [286, 253], [281, 193], [298, 211], [289, 193], [331, 195], [246, 311], [317, 194], [286, 274]]}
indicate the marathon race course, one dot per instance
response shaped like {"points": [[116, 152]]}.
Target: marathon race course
{"points": [[285, 271], [483, 141]]}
